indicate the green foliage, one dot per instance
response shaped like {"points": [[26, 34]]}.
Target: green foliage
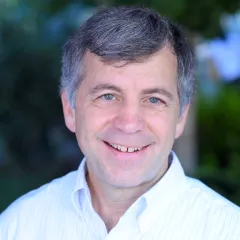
{"points": [[219, 143], [30, 105], [29, 99]]}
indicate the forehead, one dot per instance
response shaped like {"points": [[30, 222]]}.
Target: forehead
{"points": [[160, 68]]}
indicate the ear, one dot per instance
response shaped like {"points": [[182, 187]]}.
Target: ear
{"points": [[181, 122], [69, 113]]}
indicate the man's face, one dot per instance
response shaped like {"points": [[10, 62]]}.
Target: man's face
{"points": [[126, 118]]}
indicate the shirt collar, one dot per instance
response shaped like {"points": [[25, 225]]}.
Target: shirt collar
{"points": [[81, 182], [171, 182], [161, 193], [81, 187], [158, 198]]}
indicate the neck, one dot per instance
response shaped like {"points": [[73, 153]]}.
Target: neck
{"points": [[111, 202]]}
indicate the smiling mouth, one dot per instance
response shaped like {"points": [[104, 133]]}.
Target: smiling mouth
{"points": [[125, 149]]}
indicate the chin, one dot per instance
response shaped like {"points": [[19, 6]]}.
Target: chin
{"points": [[124, 181], [124, 185]]}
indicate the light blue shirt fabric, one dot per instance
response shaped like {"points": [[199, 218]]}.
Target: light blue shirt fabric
{"points": [[177, 207]]}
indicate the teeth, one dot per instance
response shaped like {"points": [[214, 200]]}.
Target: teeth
{"points": [[131, 149], [124, 149]]}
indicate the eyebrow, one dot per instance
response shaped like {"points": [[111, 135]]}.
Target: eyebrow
{"points": [[104, 86], [112, 87]]}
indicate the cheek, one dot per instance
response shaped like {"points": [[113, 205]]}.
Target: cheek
{"points": [[162, 124], [92, 120], [102, 113]]}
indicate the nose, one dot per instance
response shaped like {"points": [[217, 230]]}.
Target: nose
{"points": [[129, 120]]}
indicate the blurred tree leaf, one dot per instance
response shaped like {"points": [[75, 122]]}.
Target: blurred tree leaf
{"points": [[219, 143]]}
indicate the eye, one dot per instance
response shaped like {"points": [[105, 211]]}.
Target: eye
{"points": [[108, 97], [154, 100]]}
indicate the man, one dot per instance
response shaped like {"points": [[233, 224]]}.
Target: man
{"points": [[126, 86]]}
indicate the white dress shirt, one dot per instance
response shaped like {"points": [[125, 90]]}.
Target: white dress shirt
{"points": [[176, 208]]}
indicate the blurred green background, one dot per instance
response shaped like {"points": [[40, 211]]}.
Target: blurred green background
{"points": [[35, 146]]}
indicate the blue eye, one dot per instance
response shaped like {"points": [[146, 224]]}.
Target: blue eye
{"points": [[154, 100], [108, 97]]}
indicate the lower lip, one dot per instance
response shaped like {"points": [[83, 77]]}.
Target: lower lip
{"points": [[127, 155]]}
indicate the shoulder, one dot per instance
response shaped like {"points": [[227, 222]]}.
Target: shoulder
{"points": [[208, 196], [38, 203], [219, 215]]}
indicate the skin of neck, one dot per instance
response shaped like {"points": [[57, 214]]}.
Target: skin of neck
{"points": [[111, 203]]}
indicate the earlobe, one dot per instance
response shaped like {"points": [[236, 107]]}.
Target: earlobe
{"points": [[69, 112], [181, 122]]}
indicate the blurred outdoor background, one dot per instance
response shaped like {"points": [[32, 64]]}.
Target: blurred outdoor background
{"points": [[36, 147]]}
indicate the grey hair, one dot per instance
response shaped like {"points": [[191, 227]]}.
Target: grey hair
{"points": [[128, 34]]}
